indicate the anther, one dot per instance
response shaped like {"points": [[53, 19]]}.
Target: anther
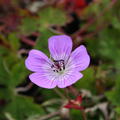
{"points": [[58, 65]]}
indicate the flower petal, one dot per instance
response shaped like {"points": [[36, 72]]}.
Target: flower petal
{"points": [[43, 80], [36, 60], [80, 58], [60, 47], [69, 79]]}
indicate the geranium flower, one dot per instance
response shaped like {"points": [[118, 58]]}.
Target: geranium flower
{"points": [[62, 69], [75, 104]]}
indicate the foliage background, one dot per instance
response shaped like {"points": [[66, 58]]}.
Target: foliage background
{"points": [[27, 24]]}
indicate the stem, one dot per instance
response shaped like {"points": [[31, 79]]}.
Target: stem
{"points": [[84, 115], [51, 102], [27, 41], [73, 90], [8, 116], [47, 117], [67, 93], [24, 89], [59, 93]]}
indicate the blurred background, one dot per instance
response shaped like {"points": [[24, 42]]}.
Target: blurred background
{"points": [[27, 24]]}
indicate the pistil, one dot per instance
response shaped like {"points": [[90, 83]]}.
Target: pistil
{"points": [[58, 65]]}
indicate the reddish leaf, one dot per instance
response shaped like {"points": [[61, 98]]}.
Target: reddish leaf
{"points": [[5, 2], [10, 22], [79, 99], [75, 104], [75, 5], [27, 41]]}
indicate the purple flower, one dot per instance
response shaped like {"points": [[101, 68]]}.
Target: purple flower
{"points": [[62, 68]]}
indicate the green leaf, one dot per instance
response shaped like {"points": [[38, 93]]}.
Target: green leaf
{"points": [[3, 51], [29, 25], [49, 16], [14, 41], [18, 73], [106, 46], [117, 110], [76, 114], [42, 42], [88, 80], [114, 95], [116, 23], [23, 107], [4, 72], [6, 94]]}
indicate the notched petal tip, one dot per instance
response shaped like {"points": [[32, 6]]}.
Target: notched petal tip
{"points": [[82, 48], [37, 53], [60, 46], [33, 51], [60, 37]]}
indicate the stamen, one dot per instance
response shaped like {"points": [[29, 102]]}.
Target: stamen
{"points": [[58, 65]]}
